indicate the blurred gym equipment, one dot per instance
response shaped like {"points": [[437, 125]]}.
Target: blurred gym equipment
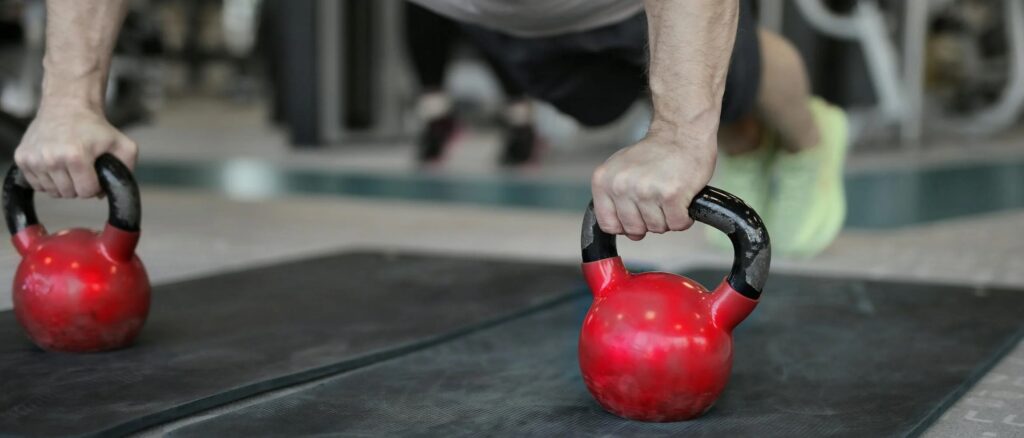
{"points": [[343, 77], [897, 69]]}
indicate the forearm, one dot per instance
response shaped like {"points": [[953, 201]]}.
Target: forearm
{"points": [[690, 47], [80, 39]]}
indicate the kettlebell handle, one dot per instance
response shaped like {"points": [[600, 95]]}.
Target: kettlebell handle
{"points": [[115, 179], [719, 209]]}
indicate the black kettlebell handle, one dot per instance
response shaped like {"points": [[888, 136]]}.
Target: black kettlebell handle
{"points": [[117, 183], [720, 209]]}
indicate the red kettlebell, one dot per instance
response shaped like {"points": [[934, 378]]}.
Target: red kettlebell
{"points": [[78, 290], [657, 346]]}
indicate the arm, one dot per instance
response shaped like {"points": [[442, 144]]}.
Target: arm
{"points": [[70, 129], [648, 186]]}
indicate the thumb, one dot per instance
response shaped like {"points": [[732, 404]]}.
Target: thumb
{"points": [[125, 150]]}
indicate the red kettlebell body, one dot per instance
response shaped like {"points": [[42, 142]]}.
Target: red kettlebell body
{"points": [[657, 346], [78, 290]]}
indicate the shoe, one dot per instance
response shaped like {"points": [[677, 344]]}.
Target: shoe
{"points": [[746, 175], [437, 136], [521, 145], [808, 204]]}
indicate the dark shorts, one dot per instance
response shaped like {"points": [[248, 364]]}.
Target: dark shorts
{"points": [[596, 75]]}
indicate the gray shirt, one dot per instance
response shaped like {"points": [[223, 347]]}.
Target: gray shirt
{"points": [[536, 18]]}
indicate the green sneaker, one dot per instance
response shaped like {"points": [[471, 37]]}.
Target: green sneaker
{"points": [[747, 176], [808, 204]]}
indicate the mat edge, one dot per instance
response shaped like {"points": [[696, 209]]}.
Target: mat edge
{"points": [[972, 379]]}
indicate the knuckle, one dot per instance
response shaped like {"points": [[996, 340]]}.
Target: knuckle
{"points": [[75, 158], [669, 193], [621, 185], [599, 176], [63, 157], [51, 161], [607, 217], [26, 159], [648, 191], [130, 147], [34, 161]]}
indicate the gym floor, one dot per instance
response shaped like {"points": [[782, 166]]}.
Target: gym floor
{"points": [[223, 223]]}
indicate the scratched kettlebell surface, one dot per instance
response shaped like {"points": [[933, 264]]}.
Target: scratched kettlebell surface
{"points": [[217, 339], [819, 357]]}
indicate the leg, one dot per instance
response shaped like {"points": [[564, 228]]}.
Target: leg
{"points": [[429, 39], [584, 74], [787, 140], [806, 206], [581, 74], [784, 82], [521, 142], [518, 110], [743, 164], [740, 130]]}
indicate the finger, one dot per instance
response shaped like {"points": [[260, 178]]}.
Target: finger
{"points": [[63, 184], [677, 215], [31, 179], [83, 177], [654, 219], [604, 209], [24, 162], [630, 218], [46, 185]]}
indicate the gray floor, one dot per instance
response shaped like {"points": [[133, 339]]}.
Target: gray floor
{"points": [[188, 234]]}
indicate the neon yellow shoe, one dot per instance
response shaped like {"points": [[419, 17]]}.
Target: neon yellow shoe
{"points": [[747, 176], [808, 204]]}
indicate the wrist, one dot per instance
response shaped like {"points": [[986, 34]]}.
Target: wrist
{"points": [[80, 88], [69, 97], [695, 132], [63, 105]]}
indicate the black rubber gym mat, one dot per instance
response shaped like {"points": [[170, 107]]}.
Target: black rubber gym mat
{"points": [[214, 340], [819, 357]]}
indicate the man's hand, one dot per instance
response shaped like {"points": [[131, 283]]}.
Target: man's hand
{"points": [[70, 130], [648, 187], [58, 150]]}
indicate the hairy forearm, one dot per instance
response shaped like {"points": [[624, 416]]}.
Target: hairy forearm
{"points": [[690, 46], [80, 39]]}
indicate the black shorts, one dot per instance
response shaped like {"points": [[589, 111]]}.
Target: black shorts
{"points": [[596, 75]]}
